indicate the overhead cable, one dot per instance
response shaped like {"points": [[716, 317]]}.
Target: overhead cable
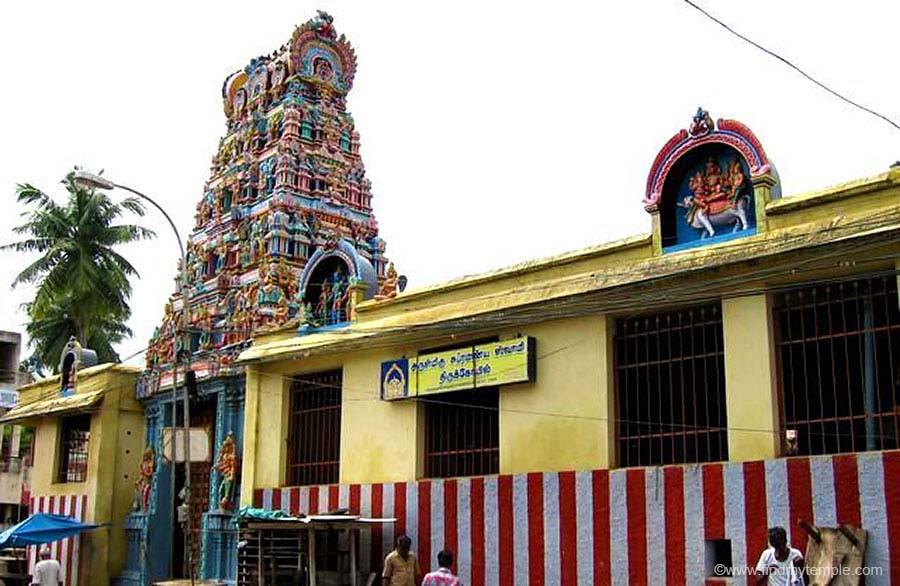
{"points": [[794, 67]]}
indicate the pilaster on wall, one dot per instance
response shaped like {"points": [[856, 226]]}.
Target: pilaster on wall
{"points": [[762, 192], [750, 397], [608, 387], [229, 420], [561, 420], [265, 433], [656, 231], [251, 423]]}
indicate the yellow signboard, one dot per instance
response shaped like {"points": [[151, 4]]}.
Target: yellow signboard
{"points": [[443, 371], [505, 362], [496, 363]]}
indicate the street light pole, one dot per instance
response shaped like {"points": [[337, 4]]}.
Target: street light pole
{"points": [[98, 182]]}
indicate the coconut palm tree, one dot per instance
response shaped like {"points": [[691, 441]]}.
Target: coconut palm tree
{"points": [[82, 282], [49, 331]]}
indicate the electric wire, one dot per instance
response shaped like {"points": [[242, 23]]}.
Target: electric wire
{"points": [[706, 289], [519, 411], [701, 290], [794, 67]]}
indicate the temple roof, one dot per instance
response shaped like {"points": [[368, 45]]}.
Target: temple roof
{"points": [[624, 275]]}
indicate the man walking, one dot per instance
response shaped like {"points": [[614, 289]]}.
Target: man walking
{"points": [[47, 571], [443, 576], [400, 566]]}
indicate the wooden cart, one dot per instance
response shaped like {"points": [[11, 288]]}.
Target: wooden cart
{"points": [[317, 550]]}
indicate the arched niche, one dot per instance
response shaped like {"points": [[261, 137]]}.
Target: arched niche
{"points": [[316, 42], [710, 182], [707, 194], [339, 264], [330, 276], [73, 358]]}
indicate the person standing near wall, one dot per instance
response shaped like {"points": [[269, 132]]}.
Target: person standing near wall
{"points": [[780, 564], [443, 576], [47, 571], [400, 566]]}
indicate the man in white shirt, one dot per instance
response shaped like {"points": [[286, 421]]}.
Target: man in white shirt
{"points": [[47, 571], [780, 564]]}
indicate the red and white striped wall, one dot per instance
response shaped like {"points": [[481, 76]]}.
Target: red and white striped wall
{"points": [[640, 527], [66, 551]]}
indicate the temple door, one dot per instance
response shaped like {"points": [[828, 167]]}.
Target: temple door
{"points": [[203, 415]]}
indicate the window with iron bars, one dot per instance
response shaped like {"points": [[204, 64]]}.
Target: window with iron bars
{"points": [[462, 434], [73, 449], [314, 431], [670, 388], [839, 366]]}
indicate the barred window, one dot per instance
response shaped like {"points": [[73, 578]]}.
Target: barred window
{"points": [[314, 431], [462, 434], [73, 449], [839, 366], [670, 388]]}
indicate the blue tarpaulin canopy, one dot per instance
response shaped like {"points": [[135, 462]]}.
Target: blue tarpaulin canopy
{"points": [[42, 528]]}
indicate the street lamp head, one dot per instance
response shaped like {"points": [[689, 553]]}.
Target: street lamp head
{"points": [[87, 179]]}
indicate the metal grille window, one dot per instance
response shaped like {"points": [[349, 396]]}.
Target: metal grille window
{"points": [[315, 429], [462, 434], [839, 366], [73, 456], [670, 388]]}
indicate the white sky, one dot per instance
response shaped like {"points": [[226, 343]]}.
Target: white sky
{"points": [[493, 132]]}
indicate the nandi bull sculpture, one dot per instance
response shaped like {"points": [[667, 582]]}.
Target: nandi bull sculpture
{"points": [[834, 555]]}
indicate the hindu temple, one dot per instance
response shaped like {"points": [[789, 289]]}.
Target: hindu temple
{"points": [[284, 236]]}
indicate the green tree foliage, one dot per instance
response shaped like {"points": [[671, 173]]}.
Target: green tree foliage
{"points": [[82, 282]]}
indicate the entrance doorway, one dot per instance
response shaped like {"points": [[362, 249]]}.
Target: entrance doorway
{"points": [[203, 415]]}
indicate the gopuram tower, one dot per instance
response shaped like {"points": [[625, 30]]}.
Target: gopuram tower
{"points": [[284, 237]]}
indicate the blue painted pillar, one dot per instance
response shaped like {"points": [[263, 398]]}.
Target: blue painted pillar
{"points": [[219, 560], [148, 551]]}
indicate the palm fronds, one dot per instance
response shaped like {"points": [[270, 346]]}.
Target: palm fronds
{"points": [[83, 283]]}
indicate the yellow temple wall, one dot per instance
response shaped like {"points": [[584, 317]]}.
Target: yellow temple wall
{"points": [[559, 421], [114, 451], [750, 378], [565, 418]]}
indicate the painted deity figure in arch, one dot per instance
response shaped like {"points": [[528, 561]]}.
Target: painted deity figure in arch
{"points": [[323, 69], [339, 295], [717, 198], [321, 311]]}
